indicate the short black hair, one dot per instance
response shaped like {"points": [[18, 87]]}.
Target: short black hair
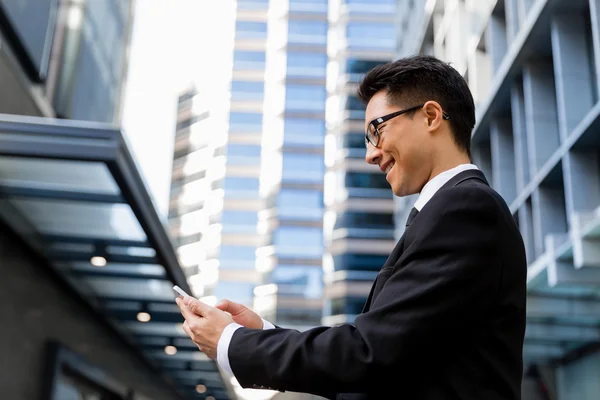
{"points": [[415, 80]]}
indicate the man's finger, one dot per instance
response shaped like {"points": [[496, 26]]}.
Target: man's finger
{"points": [[186, 311], [197, 307], [230, 307]]}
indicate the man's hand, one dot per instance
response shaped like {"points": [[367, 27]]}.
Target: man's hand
{"points": [[241, 314], [203, 324]]}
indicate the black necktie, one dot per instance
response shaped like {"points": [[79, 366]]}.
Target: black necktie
{"points": [[411, 216]]}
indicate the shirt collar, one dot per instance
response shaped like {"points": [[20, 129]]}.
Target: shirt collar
{"points": [[437, 182]]}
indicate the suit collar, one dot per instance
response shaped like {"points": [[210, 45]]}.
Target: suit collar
{"points": [[440, 180]]}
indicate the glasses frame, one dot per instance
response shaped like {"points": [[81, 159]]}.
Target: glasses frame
{"points": [[374, 140]]}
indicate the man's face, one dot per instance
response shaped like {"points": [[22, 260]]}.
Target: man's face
{"points": [[403, 151]]}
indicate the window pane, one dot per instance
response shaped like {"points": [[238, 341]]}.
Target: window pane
{"points": [[305, 132], [310, 32], [358, 262], [305, 98], [243, 90], [237, 257], [303, 280], [251, 60], [250, 30], [245, 122], [366, 180], [239, 221], [239, 292], [299, 242], [243, 150], [300, 204], [306, 168], [362, 220], [306, 64], [371, 36]]}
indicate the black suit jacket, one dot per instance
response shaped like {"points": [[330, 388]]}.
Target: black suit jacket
{"points": [[445, 318]]}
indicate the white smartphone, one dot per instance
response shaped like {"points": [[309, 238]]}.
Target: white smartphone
{"points": [[180, 292]]}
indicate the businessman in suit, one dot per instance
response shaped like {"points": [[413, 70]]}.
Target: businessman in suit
{"points": [[445, 318]]}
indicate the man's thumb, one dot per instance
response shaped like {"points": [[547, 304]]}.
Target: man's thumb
{"points": [[230, 307]]}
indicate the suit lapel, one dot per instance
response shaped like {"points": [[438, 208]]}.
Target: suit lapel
{"points": [[387, 268]]}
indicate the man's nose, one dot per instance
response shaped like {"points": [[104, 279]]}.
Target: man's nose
{"points": [[373, 154]]}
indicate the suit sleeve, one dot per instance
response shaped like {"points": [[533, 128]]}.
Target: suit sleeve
{"points": [[444, 279]]}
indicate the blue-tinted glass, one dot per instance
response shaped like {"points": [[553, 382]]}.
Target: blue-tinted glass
{"points": [[253, 4], [34, 21], [304, 132], [350, 219], [373, 3], [347, 305], [354, 141], [251, 30], [303, 168], [245, 122], [366, 180], [358, 262], [234, 221], [300, 204], [250, 60], [300, 242], [305, 98], [362, 35], [239, 292], [237, 257], [243, 150], [309, 32], [303, 280], [241, 183], [306, 64], [244, 90]]}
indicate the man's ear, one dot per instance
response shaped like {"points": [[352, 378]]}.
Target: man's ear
{"points": [[434, 115]]}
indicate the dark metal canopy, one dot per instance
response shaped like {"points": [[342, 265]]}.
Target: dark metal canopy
{"points": [[73, 192]]}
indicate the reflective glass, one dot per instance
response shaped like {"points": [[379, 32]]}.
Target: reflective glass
{"points": [[250, 60], [253, 4], [303, 168], [305, 132], [239, 221], [305, 98], [307, 32], [237, 257], [245, 122], [363, 35], [366, 180], [244, 90], [244, 150], [306, 64], [239, 292], [250, 30], [238, 183], [353, 219], [301, 242], [347, 305], [358, 262], [73, 176], [303, 280]]}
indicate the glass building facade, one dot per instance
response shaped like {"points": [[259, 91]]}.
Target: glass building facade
{"points": [[532, 67], [358, 219]]}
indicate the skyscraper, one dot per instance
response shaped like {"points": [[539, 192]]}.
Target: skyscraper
{"points": [[532, 67], [358, 221]]}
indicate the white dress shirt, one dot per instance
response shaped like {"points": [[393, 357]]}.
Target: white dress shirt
{"points": [[426, 194]]}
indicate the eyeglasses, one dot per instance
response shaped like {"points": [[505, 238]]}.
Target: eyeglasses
{"points": [[372, 135]]}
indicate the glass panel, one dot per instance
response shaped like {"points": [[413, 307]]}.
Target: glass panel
{"points": [[70, 218], [366, 180], [146, 270], [305, 98], [304, 280], [239, 221], [75, 176], [245, 122], [253, 60], [367, 36], [241, 187], [364, 220], [358, 262], [304, 132], [305, 64], [302, 242], [239, 292], [237, 257], [307, 168], [244, 90], [308, 32], [253, 4], [250, 30]]}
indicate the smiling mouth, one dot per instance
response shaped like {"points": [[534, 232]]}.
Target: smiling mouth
{"points": [[389, 167]]}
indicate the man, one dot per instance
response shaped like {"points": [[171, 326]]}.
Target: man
{"points": [[445, 318]]}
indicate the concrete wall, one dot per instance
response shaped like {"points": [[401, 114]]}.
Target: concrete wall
{"points": [[35, 308]]}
